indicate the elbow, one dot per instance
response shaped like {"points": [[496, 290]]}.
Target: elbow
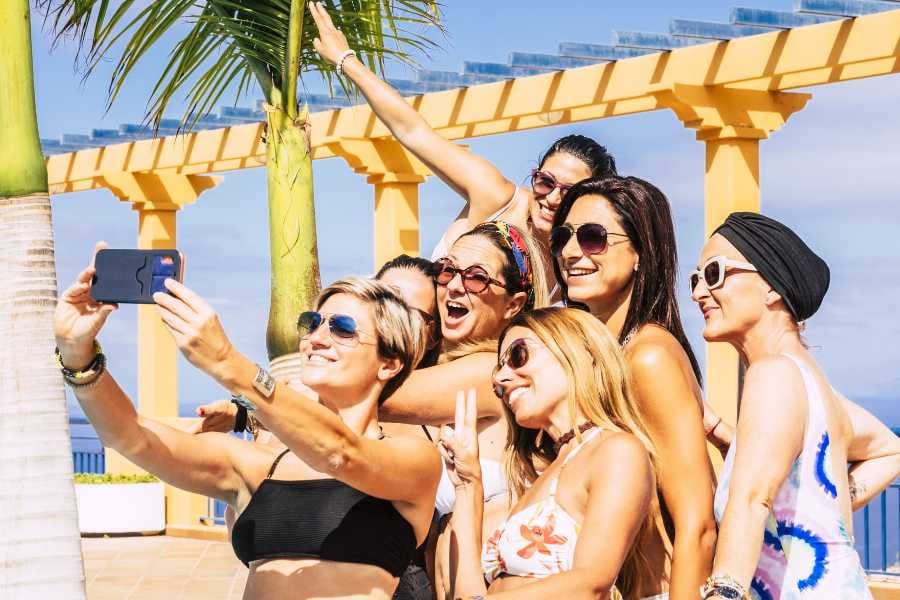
{"points": [[749, 506], [700, 535], [336, 456]]}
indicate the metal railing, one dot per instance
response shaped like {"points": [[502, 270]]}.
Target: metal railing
{"points": [[877, 532], [87, 451]]}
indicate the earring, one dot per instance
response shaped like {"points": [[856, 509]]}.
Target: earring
{"points": [[539, 439], [636, 265]]}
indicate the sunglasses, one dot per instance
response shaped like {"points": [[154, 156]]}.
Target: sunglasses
{"points": [[592, 238], [516, 356], [543, 184], [474, 279], [343, 328], [714, 271]]}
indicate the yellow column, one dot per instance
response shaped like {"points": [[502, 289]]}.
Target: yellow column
{"points": [[731, 122], [396, 175], [157, 375], [396, 215], [731, 184]]}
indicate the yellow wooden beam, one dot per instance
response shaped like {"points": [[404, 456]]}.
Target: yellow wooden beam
{"points": [[820, 54]]}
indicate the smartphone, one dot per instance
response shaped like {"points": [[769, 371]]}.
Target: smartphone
{"points": [[133, 276]]}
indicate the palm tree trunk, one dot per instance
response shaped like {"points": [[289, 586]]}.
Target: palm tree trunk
{"points": [[40, 546], [292, 236]]}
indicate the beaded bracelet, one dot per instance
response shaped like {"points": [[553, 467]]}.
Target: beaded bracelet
{"points": [[340, 63], [88, 376]]}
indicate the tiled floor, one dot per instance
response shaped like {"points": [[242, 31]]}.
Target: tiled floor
{"points": [[161, 568]]}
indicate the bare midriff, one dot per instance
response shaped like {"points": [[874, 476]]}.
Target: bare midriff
{"points": [[312, 579]]}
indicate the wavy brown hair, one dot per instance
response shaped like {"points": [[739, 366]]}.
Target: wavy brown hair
{"points": [[599, 390]]}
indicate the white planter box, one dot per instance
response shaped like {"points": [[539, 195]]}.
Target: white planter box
{"points": [[121, 507]]}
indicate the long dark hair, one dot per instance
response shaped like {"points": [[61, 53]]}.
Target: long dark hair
{"points": [[426, 268], [596, 157], [646, 217]]}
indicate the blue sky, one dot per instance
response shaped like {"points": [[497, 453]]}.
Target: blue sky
{"points": [[831, 174]]}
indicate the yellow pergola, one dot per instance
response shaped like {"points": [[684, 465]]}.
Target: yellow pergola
{"points": [[733, 93]]}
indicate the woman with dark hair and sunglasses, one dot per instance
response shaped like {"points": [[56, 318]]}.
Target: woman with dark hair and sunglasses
{"points": [[783, 501], [614, 244], [491, 273], [333, 514], [488, 193], [579, 460]]}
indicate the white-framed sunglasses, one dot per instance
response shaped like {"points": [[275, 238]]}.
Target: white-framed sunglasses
{"points": [[714, 270]]}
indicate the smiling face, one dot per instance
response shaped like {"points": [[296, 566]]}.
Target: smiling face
{"points": [[535, 390], [567, 170], [598, 280], [338, 368], [732, 309], [468, 316]]}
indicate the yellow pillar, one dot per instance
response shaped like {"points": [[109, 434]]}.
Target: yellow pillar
{"points": [[731, 122], [157, 199], [731, 184], [396, 215], [396, 175]]}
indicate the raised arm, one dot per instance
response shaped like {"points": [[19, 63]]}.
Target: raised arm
{"points": [[380, 468], [204, 464], [428, 396], [471, 176], [769, 439], [667, 396], [874, 454]]}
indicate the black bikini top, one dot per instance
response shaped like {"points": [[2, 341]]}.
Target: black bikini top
{"points": [[322, 518]]}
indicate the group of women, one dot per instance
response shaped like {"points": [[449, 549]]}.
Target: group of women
{"points": [[528, 451]]}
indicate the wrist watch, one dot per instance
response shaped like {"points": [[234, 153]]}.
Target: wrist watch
{"points": [[263, 383]]}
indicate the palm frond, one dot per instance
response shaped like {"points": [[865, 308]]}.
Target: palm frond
{"points": [[231, 44]]}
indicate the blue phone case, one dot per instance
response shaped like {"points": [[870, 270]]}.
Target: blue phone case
{"points": [[132, 276]]}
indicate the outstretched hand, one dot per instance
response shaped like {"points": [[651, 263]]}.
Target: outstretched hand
{"points": [[216, 416], [195, 326], [79, 318], [331, 43], [459, 446]]}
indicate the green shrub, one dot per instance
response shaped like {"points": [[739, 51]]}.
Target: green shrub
{"points": [[111, 478]]}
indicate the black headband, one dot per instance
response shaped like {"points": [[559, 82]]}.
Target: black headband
{"points": [[797, 273]]}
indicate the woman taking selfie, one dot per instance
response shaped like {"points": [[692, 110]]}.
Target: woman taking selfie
{"points": [[578, 460], [783, 502], [334, 514], [614, 244]]}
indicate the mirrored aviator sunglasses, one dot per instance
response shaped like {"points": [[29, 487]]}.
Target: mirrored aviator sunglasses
{"points": [[592, 238], [516, 356], [342, 328]]}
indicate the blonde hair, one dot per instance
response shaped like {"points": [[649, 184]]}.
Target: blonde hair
{"points": [[401, 333], [599, 389]]}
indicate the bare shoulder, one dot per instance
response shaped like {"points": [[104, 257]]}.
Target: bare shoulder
{"points": [[618, 448], [774, 383], [652, 348]]}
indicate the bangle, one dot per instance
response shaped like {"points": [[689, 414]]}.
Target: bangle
{"points": [[89, 375], [340, 62], [724, 586], [712, 429], [240, 419]]}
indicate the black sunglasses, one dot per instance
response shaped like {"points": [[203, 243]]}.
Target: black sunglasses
{"points": [[516, 356], [343, 328], [592, 238], [475, 279]]}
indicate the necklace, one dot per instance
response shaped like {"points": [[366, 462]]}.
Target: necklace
{"points": [[628, 338], [567, 436]]}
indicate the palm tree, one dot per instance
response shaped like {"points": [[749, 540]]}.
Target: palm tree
{"points": [[40, 546], [229, 45]]}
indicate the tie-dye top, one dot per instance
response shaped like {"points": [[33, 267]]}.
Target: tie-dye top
{"points": [[807, 552]]}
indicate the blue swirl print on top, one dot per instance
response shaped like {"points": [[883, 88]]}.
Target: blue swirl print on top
{"points": [[822, 465], [760, 590], [815, 543]]}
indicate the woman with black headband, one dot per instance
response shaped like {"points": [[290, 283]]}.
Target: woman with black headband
{"points": [[782, 501]]}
